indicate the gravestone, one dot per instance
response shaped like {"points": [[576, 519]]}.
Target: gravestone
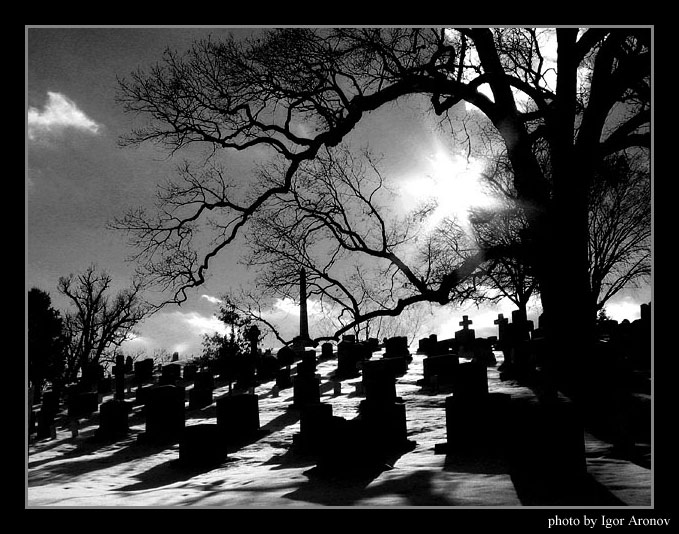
{"points": [[129, 365], [471, 380], [143, 371], [379, 381], [519, 361], [349, 353], [238, 417], [373, 344], [428, 345], [47, 414], [327, 351], [283, 378], [314, 425], [189, 371], [175, 356], [113, 419], [501, 323], [464, 338], [170, 374], [397, 353], [202, 445], [382, 413], [91, 375], [119, 373], [397, 347], [483, 352], [306, 385], [105, 386], [442, 366], [286, 356], [267, 367], [165, 414], [201, 393]]}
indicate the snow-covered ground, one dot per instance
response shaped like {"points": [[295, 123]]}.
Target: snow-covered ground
{"points": [[79, 472]]}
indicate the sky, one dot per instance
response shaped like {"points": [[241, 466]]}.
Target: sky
{"points": [[78, 179]]}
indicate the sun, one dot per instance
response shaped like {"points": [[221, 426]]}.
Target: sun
{"points": [[453, 181]]}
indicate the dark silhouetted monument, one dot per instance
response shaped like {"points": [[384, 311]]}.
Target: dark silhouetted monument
{"points": [[303, 340]]}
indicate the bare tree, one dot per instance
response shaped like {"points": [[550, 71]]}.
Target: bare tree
{"points": [[296, 93], [100, 322], [620, 227]]}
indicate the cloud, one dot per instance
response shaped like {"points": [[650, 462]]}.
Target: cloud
{"points": [[199, 324], [211, 299], [58, 114]]}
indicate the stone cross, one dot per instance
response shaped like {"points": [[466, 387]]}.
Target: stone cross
{"points": [[500, 320], [465, 322]]}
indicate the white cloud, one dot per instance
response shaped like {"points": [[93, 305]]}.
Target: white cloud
{"points": [[199, 324], [211, 299], [58, 114]]}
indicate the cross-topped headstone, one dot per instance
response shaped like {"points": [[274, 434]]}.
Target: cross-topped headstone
{"points": [[465, 322], [501, 320]]}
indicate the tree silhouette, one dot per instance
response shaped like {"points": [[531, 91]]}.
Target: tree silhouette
{"points": [[100, 321], [45, 340], [297, 93], [619, 227]]}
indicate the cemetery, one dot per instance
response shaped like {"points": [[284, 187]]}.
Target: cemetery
{"points": [[460, 422]]}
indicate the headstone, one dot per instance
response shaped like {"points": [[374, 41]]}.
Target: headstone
{"points": [[501, 323], [47, 414], [483, 352], [441, 367], [202, 445], [201, 393], [349, 353], [267, 367], [238, 417], [379, 382], [326, 351], [105, 386], [175, 356], [119, 371], [170, 374], [471, 380], [113, 419], [142, 393], [396, 347], [283, 378], [189, 371], [465, 338], [91, 375], [129, 365], [143, 371], [286, 356], [373, 344], [315, 421], [428, 345], [306, 385], [165, 414]]}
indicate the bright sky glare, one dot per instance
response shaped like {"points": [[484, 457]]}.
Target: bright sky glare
{"points": [[452, 180]]}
